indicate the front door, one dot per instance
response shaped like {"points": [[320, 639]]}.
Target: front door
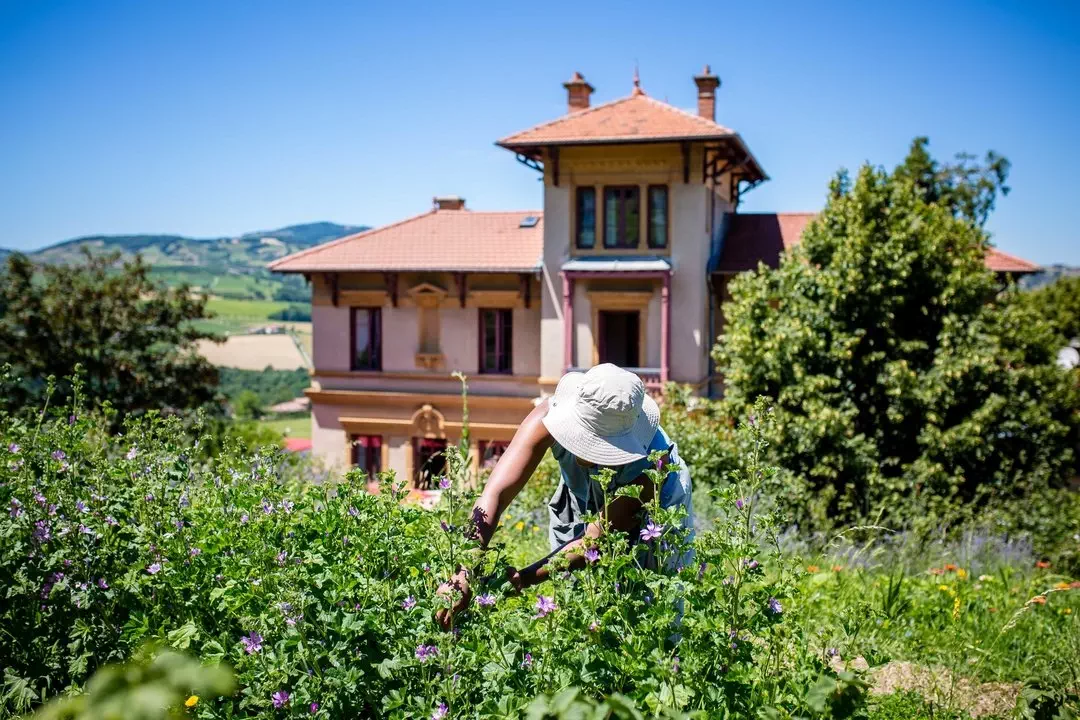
{"points": [[429, 459], [619, 337]]}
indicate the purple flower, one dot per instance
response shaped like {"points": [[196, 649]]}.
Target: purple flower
{"points": [[52, 510], [748, 563], [651, 531], [527, 662], [701, 570], [444, 483], [154, 569], [775, 607], [71, 419], [13, 448], [545, 605], [267, 507], [16, 508], [252, 642], [281, 557], [148, 497], [440, 712], [486, 600], [285, 607], [178, 524], [739, 503], [291, 621], [592, 554], [58, 455], [410, 603], [82, 586], [286, 505], [184, 501], [675, 664], [132, 453], [81, 507], [193, 552], [728, 580], [110, 520], [314, 708], [102, 584], [444, 526], [426, 652], [280, 698], [42, 533], [594, 626], [40, 499], [353, 512], [243, 518], [85, 530], [832, 652]]}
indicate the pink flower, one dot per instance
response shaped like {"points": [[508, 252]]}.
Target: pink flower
{"points": [[651, 531], [486, 600], [154, 568], [545, 605], [252, 643], [440, 712], [410, 603], [444, 484], [592, 554], [426, 652], [527, 662], [280, 698]]}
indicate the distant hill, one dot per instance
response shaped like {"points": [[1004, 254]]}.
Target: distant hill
{"points": [[229, 267], [1049, 274], [250, 250]]}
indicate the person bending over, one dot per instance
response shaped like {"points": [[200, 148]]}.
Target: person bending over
{"points": [[597, 419]]}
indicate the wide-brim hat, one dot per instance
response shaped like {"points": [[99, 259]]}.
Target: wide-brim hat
{"points": [[603, 416]]}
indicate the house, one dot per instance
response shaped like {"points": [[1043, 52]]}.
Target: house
{"points": [[627, 262]]}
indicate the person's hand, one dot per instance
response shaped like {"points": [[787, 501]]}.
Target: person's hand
{"points": [[457, 588], [513, 576]]}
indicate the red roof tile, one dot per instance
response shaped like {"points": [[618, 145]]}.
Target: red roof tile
{"points": [[438, 240], [297, 445], [754, 237], [633, 119]]}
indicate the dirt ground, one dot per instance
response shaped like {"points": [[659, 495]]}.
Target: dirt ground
{"points": [[254, 352]]}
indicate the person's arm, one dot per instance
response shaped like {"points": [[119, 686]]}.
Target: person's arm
{"points": [[510, 475], [622, 515]]}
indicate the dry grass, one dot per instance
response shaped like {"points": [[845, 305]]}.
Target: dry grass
{"points": [[254, 352]]}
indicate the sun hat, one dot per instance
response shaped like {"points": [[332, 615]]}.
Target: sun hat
{"points": [[603, 416]]}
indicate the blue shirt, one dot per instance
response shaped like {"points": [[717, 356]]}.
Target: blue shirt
{"points": [[579, 492]]}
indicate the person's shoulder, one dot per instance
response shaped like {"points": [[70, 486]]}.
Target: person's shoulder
{"points": [[661, 440]]}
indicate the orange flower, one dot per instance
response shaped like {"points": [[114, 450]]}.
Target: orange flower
{"points": [[837, 568], [812, 568], [949, 567], [1038, 600], [993, 610], [1042, 564], [1062, 586]]}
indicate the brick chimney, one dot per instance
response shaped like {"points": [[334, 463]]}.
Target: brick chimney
{"points": [[577, 93], [449, 202], [707, 83]]}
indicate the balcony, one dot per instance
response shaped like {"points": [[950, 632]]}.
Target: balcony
{"points": [[649, 376]]}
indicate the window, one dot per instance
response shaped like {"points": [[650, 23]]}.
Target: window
{"points": [[586, 218], [658, 216], [496, 333], [366, 339], [429, 461], [490, 452], [622, 212], [367, 454]]}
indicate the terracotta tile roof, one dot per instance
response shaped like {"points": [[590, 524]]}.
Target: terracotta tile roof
{"points": [[632, 119], [297, 445], [446, 240], [754, 237]]}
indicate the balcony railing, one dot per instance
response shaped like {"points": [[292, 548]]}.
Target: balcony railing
{"points": [[649, 376]]}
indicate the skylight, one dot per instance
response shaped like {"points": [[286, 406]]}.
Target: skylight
{"points": [[529, 221]]}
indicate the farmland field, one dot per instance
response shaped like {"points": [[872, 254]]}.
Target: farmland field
{"points": [[254, 352], [298, 426]]}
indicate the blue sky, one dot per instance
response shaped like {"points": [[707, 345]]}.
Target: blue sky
{"points": [[214, 118]]}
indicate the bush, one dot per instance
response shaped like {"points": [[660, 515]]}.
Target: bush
{"points": [[272, 386], [294, 313], [322, 595], [903, 387]]}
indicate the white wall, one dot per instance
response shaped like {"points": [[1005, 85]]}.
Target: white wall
{"points": [[689, 258], [556, 251]]}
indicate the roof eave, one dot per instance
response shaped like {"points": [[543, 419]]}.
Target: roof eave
{"points": [[344, 269]]}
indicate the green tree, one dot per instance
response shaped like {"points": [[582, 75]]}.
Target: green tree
{"points": [[247, 406], [133, 338], [1059, 304], [899, 377]]}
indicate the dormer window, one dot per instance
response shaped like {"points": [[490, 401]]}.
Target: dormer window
{"points": [[622, 217]]}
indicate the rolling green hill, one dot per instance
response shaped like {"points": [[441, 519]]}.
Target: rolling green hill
{"points": [[231, 267]]}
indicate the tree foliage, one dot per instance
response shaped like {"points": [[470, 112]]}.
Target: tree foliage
{"points": [[899, 375], [133, 338], [1059, 304]]}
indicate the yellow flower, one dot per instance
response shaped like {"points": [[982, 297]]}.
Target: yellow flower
{"points": [[956, 607], [520, 525], [961, 573], [1066, 611], [1062, 586], [192, 701], [943, 588], [536, 528]]}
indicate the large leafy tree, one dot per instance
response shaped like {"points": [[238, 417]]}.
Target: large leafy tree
{"points": [[900, 377], [132, 337]]}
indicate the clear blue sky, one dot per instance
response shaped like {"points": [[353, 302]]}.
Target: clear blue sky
{"points": [[211, 118]]}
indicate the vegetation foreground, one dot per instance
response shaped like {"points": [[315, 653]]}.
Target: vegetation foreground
{"points": [[321, 596]]}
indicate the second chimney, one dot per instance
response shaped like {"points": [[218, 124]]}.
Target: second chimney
{"points": [[577, 93], [449, 202], [707, 83]]}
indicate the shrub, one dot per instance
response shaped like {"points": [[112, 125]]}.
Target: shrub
{"points": [[321, 595], [903, 388]]}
